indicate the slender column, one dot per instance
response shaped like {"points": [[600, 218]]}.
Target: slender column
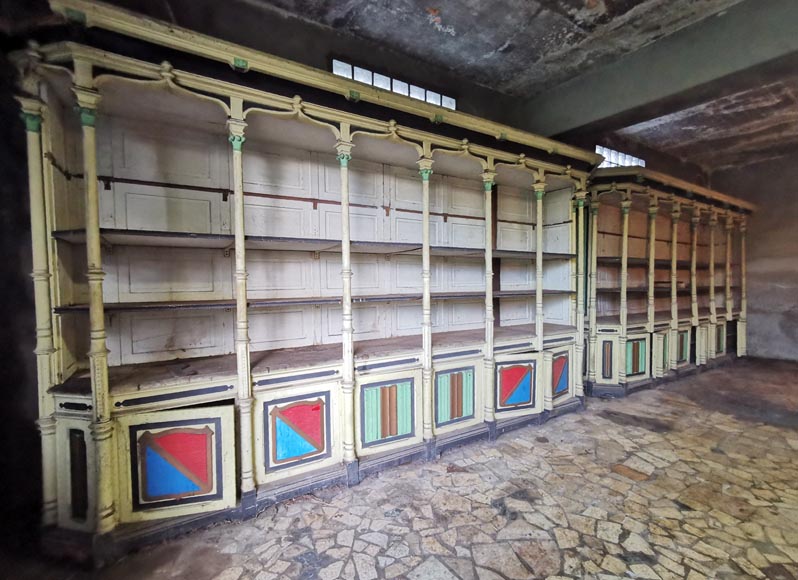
{"points": [[695, 219], [673, 345], [32, 116], [425, 169], [489, 361], [626, 204], [101, 428], [580, 293], [244, 399], [344, 149], [742, 339], [653, 207], [540, 191], [729, 300], [594, 212], [713, 314]]}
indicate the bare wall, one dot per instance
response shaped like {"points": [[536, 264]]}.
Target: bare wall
{"points": [[772, 253]]}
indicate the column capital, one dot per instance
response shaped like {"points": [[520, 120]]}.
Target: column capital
{"points": [[344, 149], [540, 189], [626, 205], [713, 218], [87, 98], [676, 211], [729, 221], [743, 224], [488, 179], [594, 205], [236, 128], [31, 113], [425, 168]]}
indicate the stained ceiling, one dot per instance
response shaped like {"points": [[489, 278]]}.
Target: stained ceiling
{"points": [[741, 128], [516, 47]]}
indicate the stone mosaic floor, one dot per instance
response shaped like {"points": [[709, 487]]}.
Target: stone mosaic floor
{"points": [[691, 480]]}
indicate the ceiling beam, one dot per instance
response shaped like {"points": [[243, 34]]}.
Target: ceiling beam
{"points": [[662, 74]]}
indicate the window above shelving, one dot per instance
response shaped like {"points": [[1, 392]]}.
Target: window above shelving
{"points": [[381, 81], [613, 158]]}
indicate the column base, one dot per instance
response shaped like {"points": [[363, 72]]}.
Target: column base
{"points": [[249, 504], [352, 472]]}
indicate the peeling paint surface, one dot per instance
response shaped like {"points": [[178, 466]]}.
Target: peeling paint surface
{"points": [[516, 47], [742, 128]]}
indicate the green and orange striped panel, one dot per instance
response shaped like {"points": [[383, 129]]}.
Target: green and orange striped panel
{"points": [[387, 411]]}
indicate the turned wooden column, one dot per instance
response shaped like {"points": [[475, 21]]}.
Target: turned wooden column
{"points": [[344, 149], [580, 293], [695, 219], [626, 205], [102, 429], [489, 408], [653, 208], [540, 192], [425, 170], [729, 300], [244, 399], [592, 354], [713, 315], [742, 338], [32, 116], [673, 343]]}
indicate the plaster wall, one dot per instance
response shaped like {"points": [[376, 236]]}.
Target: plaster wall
{"points": [[772, 253]]}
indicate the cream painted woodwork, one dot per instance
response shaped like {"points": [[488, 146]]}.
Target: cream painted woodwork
{"points": [[211, 267]]}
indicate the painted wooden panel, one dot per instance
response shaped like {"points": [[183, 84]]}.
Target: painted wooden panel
{"points": [[557, 207], [297, 430], [167, 153], [76, 464], [720, 339], [515, 384], [366, 223], [636, 356], [280, 218], [454, 396], [136, 337], [406, 319], [176, 462], [557, 238], [560, 373], [466, 274], [277, 170], [607, 360], [683, 350], [557, 275], [638, 247], [369, 274], [365, 181], [406, 274], [557, 309], [367, 319], [466, 196], [638, 224], [516, 204], [281, 327], [405, 189], [281, 274], [517, 275], [466, 233], [517, 237], [154, 208], [465, 314], [387, 411], [608, 245], [138, 274], [406, 227], [517, 311]]}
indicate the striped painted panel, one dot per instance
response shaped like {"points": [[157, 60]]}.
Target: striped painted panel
{"points": [[636, 357], [684, 346], [454, 395], [606, 359], [387, 411], [666, 354], [720, 339]]}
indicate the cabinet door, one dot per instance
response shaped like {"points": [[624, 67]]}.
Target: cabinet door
{"points": [[175, 463], [516, 384]]}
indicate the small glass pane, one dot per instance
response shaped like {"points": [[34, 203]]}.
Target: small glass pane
{"points": [[434, 98], [382, 81], [448, 102], [400, 87], [342, 69], [362, 75], [417, 93]]}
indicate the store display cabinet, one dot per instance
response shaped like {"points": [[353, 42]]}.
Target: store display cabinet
{"points": [[666, 291], [243, 295]]}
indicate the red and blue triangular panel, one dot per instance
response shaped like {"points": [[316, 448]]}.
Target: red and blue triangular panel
{"points": [[298, 430], [559, 375], [515, 385], [176, 463]]}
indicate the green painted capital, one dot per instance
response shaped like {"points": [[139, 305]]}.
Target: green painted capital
{"points": [[425, 174], [240, 64], [488, 185], [580, 202], [625, 209], [88, 117], [237, 141], [437, 119], [74, 15], [539, 193], [343, 159], [594, 208], [33, 122], [354, 96]]}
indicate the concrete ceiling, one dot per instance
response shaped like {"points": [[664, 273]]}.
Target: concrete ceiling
{"points": [[516, 47], [741, 128]]}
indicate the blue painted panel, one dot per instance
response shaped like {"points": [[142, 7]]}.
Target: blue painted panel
{"points": [[562, 384], [163, 479], [289, 442], [523, 392]]}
